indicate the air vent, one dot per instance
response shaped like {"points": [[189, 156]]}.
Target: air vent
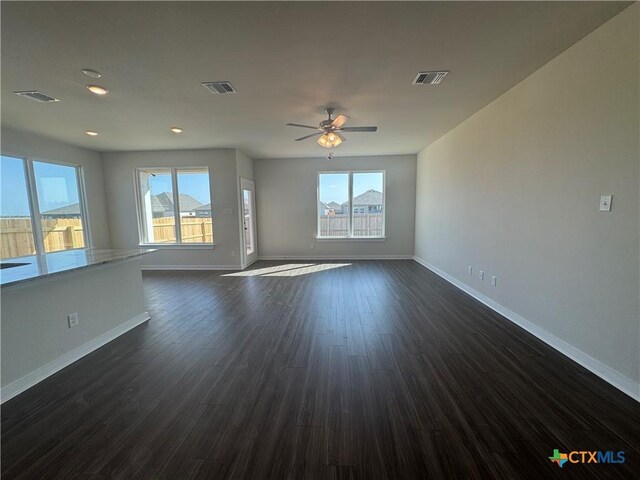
{"points": [[429, 78], [37, 96], [219, 87]]}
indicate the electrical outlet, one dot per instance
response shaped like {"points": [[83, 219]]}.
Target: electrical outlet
{"points": [[470, 270], [481, 275], [233, 253], [72, 320], [313, 245], [494, 280]]}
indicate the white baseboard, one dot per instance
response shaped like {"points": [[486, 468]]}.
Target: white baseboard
{"points": [[621, 382], [336, 257], [20, 385], [191, 267]]}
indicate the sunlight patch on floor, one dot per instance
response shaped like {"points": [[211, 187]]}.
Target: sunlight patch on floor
{"points": [[263, 271], [307, 269], [288, 270]]}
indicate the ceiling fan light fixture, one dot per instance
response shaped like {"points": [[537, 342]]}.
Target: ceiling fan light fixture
{"points": [[330, 130], [322, 141], [329, 140], [336, 141]]}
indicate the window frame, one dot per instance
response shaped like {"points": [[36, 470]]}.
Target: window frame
{"points": [[178, 244], [350, 236], [34, 206]]}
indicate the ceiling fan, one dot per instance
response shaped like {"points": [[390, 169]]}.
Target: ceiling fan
{"points": [[329, 130]]}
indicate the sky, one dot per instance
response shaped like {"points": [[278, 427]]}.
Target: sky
{"points": [[56, 186], [334, 187]]}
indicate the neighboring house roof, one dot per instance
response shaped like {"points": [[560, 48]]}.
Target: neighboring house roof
{"points": [[201, 208], [156, 206], [163, 202], [370, 197], [333, 205], [73, 209], [159, 204]]}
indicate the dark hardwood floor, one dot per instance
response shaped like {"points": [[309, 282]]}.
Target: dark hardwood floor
{"points": [[373, 370]]}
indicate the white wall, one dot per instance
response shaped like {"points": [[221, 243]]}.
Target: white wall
{"points": [[36, 340], [514, 191], [24, 144], [287, 208], [244, 165], [119, 181]]}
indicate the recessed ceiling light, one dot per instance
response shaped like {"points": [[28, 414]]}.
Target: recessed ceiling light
{"points": [[97, 89], [92, 133], [176, 129], [91, 73]]}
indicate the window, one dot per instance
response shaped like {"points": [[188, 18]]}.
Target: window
{"points": [[41, 209], [58, 196], [167, 194], [351, 204]]}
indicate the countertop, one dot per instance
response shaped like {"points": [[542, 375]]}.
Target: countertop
{"points": [[49, 264]]}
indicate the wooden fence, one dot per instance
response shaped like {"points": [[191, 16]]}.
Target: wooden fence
{"points": [[364, 225], [16, 236], [193, 230]]}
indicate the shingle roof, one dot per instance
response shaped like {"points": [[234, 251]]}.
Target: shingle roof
{"points": [[163, 202], [73, 209], [370, 197], [206, 207]]}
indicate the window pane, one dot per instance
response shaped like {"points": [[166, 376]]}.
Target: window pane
{"points": [[368, 204], [194, 200], [59, 204], [15, 214], [333, 205], [156, 206]]}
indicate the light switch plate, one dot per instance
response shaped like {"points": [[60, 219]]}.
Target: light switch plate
{"points": [[227, 211], [605, 203]]}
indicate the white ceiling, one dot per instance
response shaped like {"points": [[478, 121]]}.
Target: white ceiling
{"points": [[287, 60]]}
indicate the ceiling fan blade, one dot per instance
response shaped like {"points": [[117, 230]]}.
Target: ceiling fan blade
{"points": [[309, 136], [359, 129], [340, 136], [303, 126], [339, 121]]}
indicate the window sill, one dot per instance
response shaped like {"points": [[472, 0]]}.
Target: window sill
{"points": [[181, 246], [351, 239]]}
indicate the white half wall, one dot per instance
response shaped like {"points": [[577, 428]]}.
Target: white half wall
{"points": [[287, 208], [36, 339], [23, 144], [514, 191], [119, 182]]}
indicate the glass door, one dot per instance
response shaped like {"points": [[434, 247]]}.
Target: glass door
{"points": [[248, 219]]}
